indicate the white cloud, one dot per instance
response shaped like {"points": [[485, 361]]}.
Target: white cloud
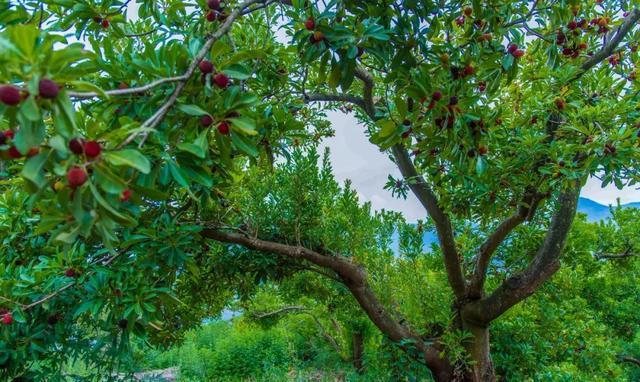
{"points": [[354, 157]]}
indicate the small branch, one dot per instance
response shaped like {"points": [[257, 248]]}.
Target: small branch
{"points": [[280, 311], [615, 256], [48, 297], [316, 97], [526, 17], [120, 92], [629, 359], [367, 93], [141, 34]]}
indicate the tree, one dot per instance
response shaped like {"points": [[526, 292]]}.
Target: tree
{"points": [[123, 159]]}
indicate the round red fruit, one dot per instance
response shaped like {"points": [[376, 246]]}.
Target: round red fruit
{"points": [[436, 96], [76, 177], [125, 195], [310, 24], [76, 146], [7, 319], [468, 11], [512, 48], [518, 53], [14, 153], [48, 89], [221, 80], [206, 120], [9, 95], [105, 23], [223, 128], [92, 149], [211, 16], [206, 66], [214, 4], [70, 272]]}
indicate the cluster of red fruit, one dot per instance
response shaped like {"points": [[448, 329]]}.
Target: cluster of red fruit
{"points": [[219, 79], [569, 37], [467, 12], [12, 96], [513, 50], [216, 11], [316, 36], [102, 21], [13, 153]]}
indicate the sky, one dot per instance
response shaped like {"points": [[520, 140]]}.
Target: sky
{"points": [[354, 157]]}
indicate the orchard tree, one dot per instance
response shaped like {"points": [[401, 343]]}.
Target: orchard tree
{"points": [[127, 141]]}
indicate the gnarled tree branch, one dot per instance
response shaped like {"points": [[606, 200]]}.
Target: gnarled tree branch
{"points": [[351, 274], [546, 262], [525, 211]]}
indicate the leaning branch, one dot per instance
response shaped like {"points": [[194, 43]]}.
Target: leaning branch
{"points": [[442, 221], [351, 274]]}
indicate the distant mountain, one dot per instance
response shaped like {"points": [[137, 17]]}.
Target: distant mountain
{"points": [[596, 211]]}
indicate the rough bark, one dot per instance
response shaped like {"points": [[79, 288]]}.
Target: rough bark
{"points": [[478, 347], [357, 340]]}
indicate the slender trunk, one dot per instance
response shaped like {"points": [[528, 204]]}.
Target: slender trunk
{"points": [[358, 350], [478, 347]]}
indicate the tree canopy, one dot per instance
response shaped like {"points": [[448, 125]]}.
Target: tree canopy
{"points": [[159, 160]]}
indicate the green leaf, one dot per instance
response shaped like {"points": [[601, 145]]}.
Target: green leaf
{"points": [[112, 212], [244, 144], [130, 158], [191, 148], [237, 71], [481, 165], [244, 124], [89, 87], [192, 110], [507, 61], [387, 127], [33, 169]]}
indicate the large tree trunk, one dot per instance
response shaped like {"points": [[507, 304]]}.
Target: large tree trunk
{"points": [[358, 351], [478, 347]]}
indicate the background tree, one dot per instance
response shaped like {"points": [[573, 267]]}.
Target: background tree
{"points": [[113, 197]]}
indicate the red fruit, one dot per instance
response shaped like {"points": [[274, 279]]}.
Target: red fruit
{"points": [[105, 23], [468, 11], [559, 103], [76, 177], [560, 38], [582, 23], [92, 149], [123, 85], [483, 150], [70, 272], [222, 16], [460, 21], [206, 66], [206, 120], [76, 146], [14, 153], [211, 16], [9, 95], [310, 24], [223, 128], [518, 53], [7, 319], [221, 80], [453, 100], [512, 48], [534, 120], [9, 134], [407, 133], [582, 46], [567, 51], [33, 152], [468, 70], [436, 96], [482, 86], [48, 89], [572, 25], [126, 194], [214, 4]]}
